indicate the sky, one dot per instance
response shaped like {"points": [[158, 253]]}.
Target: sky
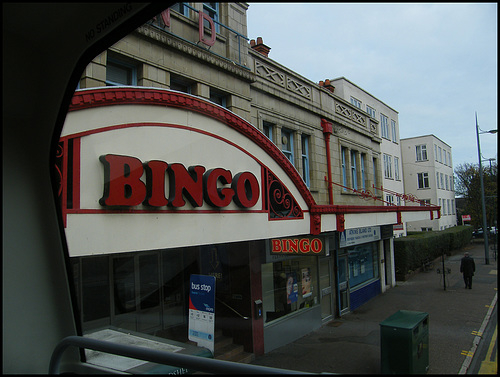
{"points": [[435, 64]]}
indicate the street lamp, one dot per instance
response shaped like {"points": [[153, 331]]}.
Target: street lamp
{"points": [[485, 229]]}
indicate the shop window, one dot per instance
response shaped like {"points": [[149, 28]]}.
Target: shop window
{"points": [[363, 264], [289, 286], [124, 285], [305, 159], [120, 73], [95, 288], [287, 144]]}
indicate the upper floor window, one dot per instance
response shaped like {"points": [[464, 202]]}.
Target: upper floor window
{"points": [[421, 151], [436, 152], [344, 173], [437, 180], [268, 128], [449, 159], [180, 84], [305, 159], [218, 97], [423, 180], [354, 173], [363, 177], [396, 168], [356, 102], [120, 73], [387, 166], [287, 144], [393, 131], [444, 155], [384, 126], [440, 155], [370, 111], [181, 8], [212, 9]]}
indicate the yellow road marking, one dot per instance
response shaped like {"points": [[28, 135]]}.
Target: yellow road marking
{"points": [[467, 353], [488, 366], [478, 333]]}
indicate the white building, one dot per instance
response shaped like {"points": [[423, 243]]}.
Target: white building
{"points": [[428, 175], [387, 118]]}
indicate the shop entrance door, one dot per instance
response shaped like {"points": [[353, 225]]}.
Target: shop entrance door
{"points": [[325, 283], [343, 287]]}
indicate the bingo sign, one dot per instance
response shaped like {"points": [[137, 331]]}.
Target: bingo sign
{"points": [[202, 310]]}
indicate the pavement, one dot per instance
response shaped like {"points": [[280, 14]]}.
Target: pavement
{"points": [[351, 344]]}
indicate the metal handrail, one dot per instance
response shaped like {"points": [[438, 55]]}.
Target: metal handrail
{"points": [[230, 308], [198, 363]]}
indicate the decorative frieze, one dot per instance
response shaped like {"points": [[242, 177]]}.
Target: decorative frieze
{"points": [[350, 114], [271, 74]]}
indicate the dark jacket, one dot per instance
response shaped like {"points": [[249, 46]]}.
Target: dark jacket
{"points": [[468, 267]]}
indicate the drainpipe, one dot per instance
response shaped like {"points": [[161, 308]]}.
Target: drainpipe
{"points": [[327, 131]]}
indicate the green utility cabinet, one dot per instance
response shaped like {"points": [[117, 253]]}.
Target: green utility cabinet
{"points": [[404, 343]]}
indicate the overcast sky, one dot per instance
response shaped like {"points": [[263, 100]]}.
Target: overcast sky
{"points": [[436, 64]]}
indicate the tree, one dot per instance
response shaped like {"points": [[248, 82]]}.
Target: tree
{"points": [[468, 186]]}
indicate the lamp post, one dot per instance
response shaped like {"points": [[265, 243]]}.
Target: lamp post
{"points": [[485, 229]]}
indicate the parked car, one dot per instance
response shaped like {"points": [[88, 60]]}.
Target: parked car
{"points": [[478, 233]]}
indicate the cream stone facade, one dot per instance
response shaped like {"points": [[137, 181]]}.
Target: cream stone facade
{"points": [[428, 174]]}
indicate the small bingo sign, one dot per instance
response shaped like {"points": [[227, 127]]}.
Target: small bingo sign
{"points": [[202, 310]]}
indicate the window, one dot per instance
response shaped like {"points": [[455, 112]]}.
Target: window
{"points": [[305, 159], [120, 73], [396, 168], [344, 175], [181, 8], [446, 181], [423, 180], [449, 206], [363, 263], [287, 144], [212, 9], [421, 152], [363, 178], [435, 152], [218, 97], [356, 102], [384, 126], [268, 128], [387, 166], [449, 159], [440, 156], [370, 111], [389, 199], [393, 130], [180, 84], [440, 205], [354, 173], [444, 155], [425, 202], [441, 180], [437, 181], [375, 173]]}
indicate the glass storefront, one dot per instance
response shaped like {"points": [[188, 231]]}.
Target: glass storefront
{"points": [[363, 264], [289, 286]]}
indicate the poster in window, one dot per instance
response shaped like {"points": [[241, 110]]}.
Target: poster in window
{"points": [[292, 289], [306, 282]]}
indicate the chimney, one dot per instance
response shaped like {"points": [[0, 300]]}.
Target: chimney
{"points": [[260, 47], [327, 85]]}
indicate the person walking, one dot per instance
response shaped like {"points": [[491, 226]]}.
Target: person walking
{"points": [[467, 267]]}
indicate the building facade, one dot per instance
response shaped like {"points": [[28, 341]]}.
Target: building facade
{"points": [[428, 175], [390, 184], [188, 151]]}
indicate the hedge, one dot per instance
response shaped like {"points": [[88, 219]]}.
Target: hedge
{"points": [[412, 250]]}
